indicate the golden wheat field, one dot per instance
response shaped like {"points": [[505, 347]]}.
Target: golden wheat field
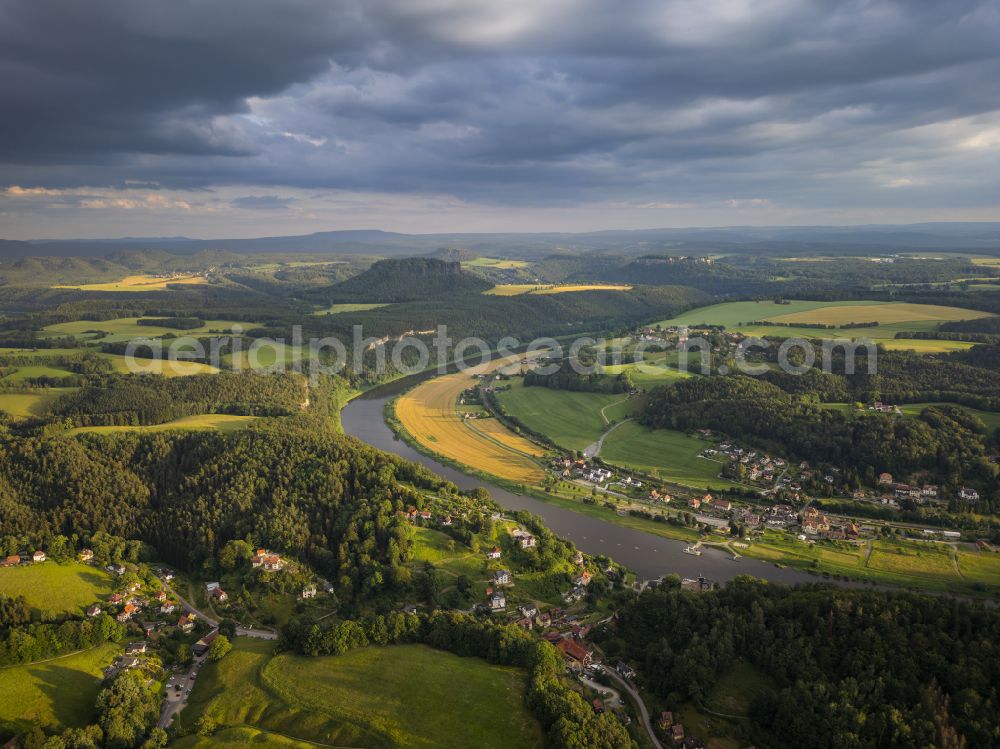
{"points": [[138, 283], [429, 413], [517, 289]]}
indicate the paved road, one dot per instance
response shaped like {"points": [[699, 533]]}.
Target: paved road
{"points": [[643, 712], [175, 701]]}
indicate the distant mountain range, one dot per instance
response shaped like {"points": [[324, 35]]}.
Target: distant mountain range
{"points": [[941, 236]]}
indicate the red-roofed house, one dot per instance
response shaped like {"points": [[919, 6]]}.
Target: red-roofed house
{"points": [[575, 651]]}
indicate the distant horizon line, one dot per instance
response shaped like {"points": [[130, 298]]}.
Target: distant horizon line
{"points": [[632, 230]]}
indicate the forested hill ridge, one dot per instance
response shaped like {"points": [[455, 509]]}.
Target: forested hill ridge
{"points": [[322, 497], [845, 668], [405, 280], [116, 400]]}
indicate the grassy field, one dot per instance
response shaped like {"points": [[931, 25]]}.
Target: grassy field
{"points": [[59, 693], [159, 366], [239, 737], [127, 328], [572, 420], [198, 423], [429, 414], [29, 403], [893, 317], [914, 562], [648, 374], [670, 455], [263, 354], [897, 562], [401, 696], [517, 289], [56, 588], [495, 262], [31, 372], [983, 566], [336, 309], [138, 283]]}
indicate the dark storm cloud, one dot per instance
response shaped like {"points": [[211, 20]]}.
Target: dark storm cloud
{"points": [[547, 101], [263, 203]]}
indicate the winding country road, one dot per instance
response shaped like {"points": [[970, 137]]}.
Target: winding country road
{"points": [[637, 699], [594, 449]]}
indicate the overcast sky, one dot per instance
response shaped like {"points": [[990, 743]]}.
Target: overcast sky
{"points": [[253, 117]]}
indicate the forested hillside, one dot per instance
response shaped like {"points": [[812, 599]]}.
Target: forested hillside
{"points": [[406, 280], [853, 668], [324, 498], [115, 400]]}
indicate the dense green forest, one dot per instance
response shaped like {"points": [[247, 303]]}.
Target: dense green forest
{"points": [[154, 399], [852, 668]]}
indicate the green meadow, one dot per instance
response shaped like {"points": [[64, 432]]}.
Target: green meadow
{"points": [[197, 423], [56, 588], [665, 453], [399, 696], [57, 693], [570, 419], [27, 403], [893, 318]]}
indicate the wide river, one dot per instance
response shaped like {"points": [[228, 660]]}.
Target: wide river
{"points": [[648, 555]]}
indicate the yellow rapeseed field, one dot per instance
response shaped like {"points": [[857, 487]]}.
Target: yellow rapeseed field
{"points": [[517, 289], [429, 413]]}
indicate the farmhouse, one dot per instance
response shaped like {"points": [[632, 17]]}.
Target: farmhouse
{"points": [[268, 560], [498, 601], [502, 577], [11, 560], [185, 623], [94, 610], [38, 556], [575, 651], [220, 595], [493, 553]]}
